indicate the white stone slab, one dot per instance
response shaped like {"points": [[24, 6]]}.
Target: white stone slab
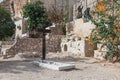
{"points": [[54, 65]]}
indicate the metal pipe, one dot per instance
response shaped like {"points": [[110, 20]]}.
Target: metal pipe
{"points": [[43, 46]]}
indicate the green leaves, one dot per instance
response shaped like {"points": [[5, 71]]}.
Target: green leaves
{"points": [[37, 18], [7, 26], [106, 30]]}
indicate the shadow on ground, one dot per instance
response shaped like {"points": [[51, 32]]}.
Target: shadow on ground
{"points": [[68, 59], [17, 66]]}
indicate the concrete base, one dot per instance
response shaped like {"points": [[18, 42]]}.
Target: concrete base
{"points": [[54, 65]]}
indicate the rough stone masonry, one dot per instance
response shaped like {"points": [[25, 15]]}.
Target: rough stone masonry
{"points": [[34, 45]]}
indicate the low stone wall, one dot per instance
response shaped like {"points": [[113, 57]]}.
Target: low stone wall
{"points": [[79, 47], [35, 45], [53, 43]]}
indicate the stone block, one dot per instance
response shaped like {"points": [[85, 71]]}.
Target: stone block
{"points": [[100, 54], [54, 65], [81, 47], [99, 47]]}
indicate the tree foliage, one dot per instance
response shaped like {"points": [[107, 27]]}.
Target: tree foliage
{"points": [[106, 18], [55, 14], [60, 15], [36, 14], [7, 25]]}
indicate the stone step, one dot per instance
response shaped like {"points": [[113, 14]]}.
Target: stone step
{"points": [[100, 54]]}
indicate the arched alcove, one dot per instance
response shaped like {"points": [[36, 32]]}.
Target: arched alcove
{"points": [[65, 47]]}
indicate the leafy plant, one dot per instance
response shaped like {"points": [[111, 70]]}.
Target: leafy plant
{"points": [[106, 18], [37, 17], [7, 26]]}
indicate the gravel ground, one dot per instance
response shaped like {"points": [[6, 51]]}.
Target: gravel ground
{"points": [[86, 69]]}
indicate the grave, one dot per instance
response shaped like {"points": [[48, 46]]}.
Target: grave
{"points": [[50, 64], [54, 65]]}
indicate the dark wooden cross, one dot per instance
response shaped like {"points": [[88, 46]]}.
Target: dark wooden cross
{"points": [[44, 31]]}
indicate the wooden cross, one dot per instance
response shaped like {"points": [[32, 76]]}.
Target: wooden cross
{"points": [[44, 31]]}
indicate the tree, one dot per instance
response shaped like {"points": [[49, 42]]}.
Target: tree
{"points": [[7, 25], [60, 15], [106, 18], [55, 14], [36, 14]]}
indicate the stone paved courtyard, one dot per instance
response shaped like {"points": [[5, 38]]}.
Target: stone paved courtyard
{"points": [[86, 69]]}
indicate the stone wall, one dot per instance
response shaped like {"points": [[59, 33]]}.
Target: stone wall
{"points": [[80, 28], [53, 43], [15, 6], [34, 45], [69, 27], [56, 30], [83, 29], [18, 6], [60, 4], [75, 41], [78, 47], [7, 42], [89, 4], [6, 4]]}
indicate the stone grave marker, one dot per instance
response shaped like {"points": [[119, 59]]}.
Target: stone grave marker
{"points": [[50, 64]]}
